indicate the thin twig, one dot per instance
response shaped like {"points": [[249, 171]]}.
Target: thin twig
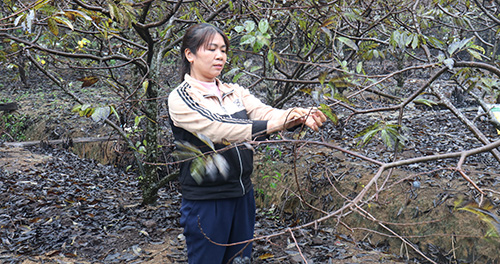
{"points": [[297, 245]]}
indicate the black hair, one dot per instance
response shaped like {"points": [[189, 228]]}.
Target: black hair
{"points": [[195, 36]]}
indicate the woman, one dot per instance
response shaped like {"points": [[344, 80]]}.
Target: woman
{"points": [[221, 209]]}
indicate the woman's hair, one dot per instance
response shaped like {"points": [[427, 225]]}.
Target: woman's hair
{"points": [[197, 35]]}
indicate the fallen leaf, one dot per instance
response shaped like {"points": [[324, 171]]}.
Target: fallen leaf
{"points": [[88, 81], [266, 256]]}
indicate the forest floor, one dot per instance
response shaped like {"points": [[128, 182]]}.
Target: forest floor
{"points": [[60, 207]]}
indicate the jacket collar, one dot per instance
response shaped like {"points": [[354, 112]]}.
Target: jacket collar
{"points": [[224, 88]]}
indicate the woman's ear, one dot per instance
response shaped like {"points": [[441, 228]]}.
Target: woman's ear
{"points": [[189, 55]]}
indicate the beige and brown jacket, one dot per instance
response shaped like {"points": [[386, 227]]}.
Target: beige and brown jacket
{"points": [[235, 117]]}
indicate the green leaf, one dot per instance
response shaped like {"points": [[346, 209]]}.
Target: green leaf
{"points": [[367, 137], [322, 77], [101, 113], [210, 168], [19, 19], [237, 77], [29, 20], [197, 170], [183, 155], [486, 213], [85, 107], [449, 63], [402, 40], [113, 110], [329, 113], [64, 20], [145, 86], [475, 54], [327, 31], [186, 146], [368, 133], [205, 140], [137, 120], [386, 138], [359, 67], [458, 45], [263, 25], [239, 29], [77, 13], [257, 46], [395, 36], [113, 10], [40, 3], [255, 68], [348, 42], [263, 38], [142, 150], [247, 39], [414, 43], [221, 164], [270, 57], [476, 47], [436, 42], [88, 112], [407, 39], [76, 108], [426, 102], [249, 25], [233, 71]]}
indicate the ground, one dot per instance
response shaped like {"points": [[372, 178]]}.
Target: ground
{"points": [[59, 208], [62, 207]]}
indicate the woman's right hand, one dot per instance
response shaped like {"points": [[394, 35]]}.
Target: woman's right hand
{"points": [[311, 117]]}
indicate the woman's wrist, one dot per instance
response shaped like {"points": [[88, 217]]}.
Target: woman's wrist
{"points": [[272, 126]]}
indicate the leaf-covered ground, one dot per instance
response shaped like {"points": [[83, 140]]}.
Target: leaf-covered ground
{"points": [[64, 209], [58, 208]]}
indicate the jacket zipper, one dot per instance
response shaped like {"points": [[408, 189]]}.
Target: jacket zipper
{"points": [[237, 150], [241, 171]]}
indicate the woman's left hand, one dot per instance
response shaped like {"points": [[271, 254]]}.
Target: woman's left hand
{"points": [[311, 117]]}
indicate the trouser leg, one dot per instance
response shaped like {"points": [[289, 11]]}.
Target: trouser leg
{"points": [[222, 221], [242, 227]]}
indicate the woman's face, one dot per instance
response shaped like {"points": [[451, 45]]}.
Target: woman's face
{"points": [[209, 59]]}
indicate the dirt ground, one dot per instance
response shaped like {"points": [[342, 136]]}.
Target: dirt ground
{"points": [[69, 206], [148, 239]]}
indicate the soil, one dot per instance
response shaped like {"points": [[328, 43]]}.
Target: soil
{"points": [[60, 208], [81, 205]]}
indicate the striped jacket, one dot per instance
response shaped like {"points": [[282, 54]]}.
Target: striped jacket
{"points": [[237, 117]]}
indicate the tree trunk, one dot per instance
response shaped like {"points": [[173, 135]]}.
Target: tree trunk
{"points": [[150, 179], [151, 138]]}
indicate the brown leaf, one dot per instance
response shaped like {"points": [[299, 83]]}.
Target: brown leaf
{"points": [[266, 256], [53, 26], [88, 81], [52, 253]]}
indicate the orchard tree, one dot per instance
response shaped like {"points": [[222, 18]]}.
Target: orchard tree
{"points": [[119, 45]]}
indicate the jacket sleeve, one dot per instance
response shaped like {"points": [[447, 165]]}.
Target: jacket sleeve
{"points": [[189, 114], [257, 110]]}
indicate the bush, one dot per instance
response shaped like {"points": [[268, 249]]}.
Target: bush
{"points": [[12, 126]]}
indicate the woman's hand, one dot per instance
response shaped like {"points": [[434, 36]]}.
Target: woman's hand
{"points": [[286, 121], [310, 117]]}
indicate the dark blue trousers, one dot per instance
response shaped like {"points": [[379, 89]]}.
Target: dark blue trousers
{"points": [[223, 221]]}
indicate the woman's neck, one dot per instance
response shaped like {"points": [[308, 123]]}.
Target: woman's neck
{"points": [[211, 86]]}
